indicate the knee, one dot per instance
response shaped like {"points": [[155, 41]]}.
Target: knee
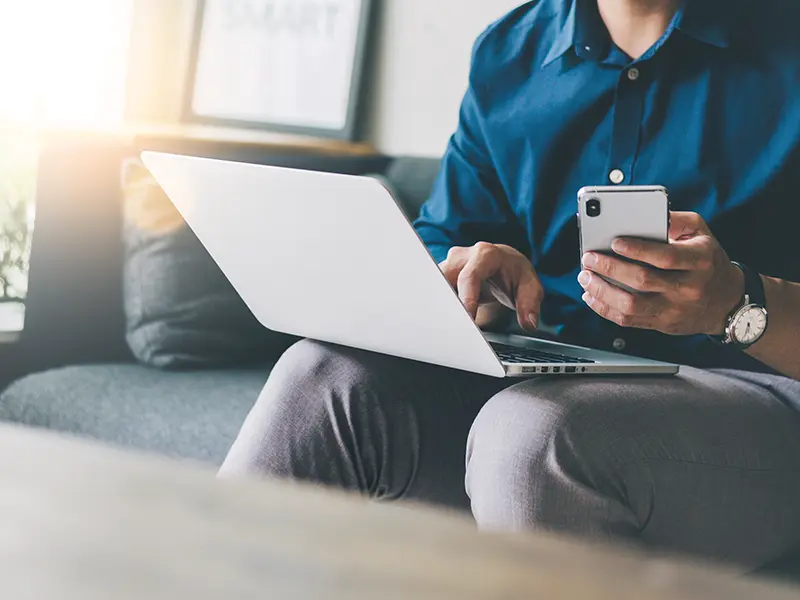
{"points": [[309, 390], [539, 448]]}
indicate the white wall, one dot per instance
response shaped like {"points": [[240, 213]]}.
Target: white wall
{"points": [[423, 57], [414, 90], [161, 33]]}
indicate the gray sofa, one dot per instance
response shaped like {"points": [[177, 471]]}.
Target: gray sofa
{"points": [[72, 371]]}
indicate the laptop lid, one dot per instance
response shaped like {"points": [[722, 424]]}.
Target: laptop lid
{"points": [[325, 256]]}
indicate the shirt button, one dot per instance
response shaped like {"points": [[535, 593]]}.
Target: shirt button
{"points": [[619, 344], [633, 73], [616, 176]]}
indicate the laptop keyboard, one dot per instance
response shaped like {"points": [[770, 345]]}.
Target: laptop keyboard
{"points": [[517, 355]]}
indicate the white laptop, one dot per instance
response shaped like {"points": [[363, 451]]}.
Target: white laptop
{"points": [[333, 258]]}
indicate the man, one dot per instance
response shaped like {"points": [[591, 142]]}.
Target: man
{"points": [[702, 97]]}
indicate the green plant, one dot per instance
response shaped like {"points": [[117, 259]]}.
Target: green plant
{"points": [[17, 189]]}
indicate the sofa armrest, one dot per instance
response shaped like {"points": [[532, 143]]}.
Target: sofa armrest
{"points": [[9, 363], [74, 304]]}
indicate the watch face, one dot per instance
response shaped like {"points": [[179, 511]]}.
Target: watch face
{"points": [[750, 325]]}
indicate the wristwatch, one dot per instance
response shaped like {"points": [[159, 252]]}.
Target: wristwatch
{"points": [[748, 323]]}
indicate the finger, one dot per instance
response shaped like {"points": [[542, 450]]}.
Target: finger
{"points": [[492, 292], [528, 298], [633, 305], [451, 266], [638, 277], [483, 263], [450, 273], [611, 314], [686, 224], [668, 257]]}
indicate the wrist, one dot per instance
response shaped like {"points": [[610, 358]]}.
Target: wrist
{"points": [[731, 299]]}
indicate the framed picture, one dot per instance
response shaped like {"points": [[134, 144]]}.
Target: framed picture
{"points": [[290, 66]]}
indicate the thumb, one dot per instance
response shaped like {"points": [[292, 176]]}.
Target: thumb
{"points": [[686, 225], [529, 296]]}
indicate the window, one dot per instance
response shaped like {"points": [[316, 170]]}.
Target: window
{"points": [[64, 66], [64, 61]]}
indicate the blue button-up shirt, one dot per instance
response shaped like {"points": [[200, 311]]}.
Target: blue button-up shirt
{"points": [[711, 111]]}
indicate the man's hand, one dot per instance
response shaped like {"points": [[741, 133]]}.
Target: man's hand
{"points": [[686, 287], [468, 269]]}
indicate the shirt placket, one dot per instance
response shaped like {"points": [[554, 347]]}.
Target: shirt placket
{"points": [[627, 124]]}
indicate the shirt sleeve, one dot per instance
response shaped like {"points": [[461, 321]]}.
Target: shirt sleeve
{"points": [[468, 203]]}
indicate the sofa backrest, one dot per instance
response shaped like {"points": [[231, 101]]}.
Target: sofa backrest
{"points": [[411, 179], [74, 310]]}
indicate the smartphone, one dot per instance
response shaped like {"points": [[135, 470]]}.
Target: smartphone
{"points": [[606, 213]]}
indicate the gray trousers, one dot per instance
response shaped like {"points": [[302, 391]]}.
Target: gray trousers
{"points": [[706, 463]]}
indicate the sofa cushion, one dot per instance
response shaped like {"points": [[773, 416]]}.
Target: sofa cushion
{"points": [[181, 311], [182, 415]]}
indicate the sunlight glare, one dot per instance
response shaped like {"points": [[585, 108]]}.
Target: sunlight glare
{"points": [[63, 63]]}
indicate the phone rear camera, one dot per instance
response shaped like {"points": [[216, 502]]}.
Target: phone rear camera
{"points": [[593, 208]]}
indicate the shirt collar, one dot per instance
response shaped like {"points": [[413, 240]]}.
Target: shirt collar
{"points": [[580, 27], [565, 23], [705, 21]]}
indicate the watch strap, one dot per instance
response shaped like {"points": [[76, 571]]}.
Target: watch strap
{"points": [[753, 294], [753, 285]]}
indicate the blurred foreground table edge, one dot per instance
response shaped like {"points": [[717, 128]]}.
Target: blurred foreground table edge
{"points": [[81, 521]]}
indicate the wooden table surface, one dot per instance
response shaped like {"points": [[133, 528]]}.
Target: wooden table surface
{"points": [[80, 522]]}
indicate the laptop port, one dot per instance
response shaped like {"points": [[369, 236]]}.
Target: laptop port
{"points": [[583, 369], [529, 369], [556, 369], [570, 369], [545, 369]]}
